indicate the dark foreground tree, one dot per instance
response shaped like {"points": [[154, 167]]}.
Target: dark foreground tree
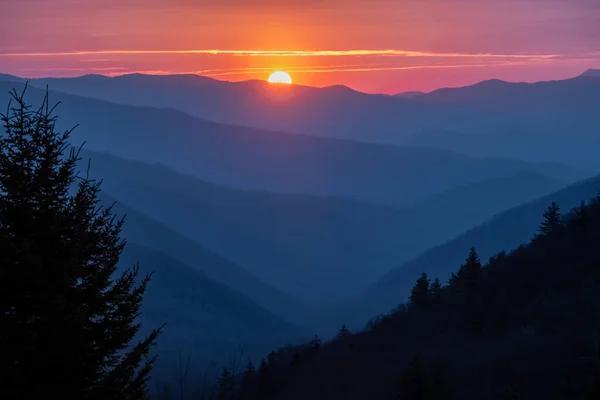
{"points": [[67, 320], [420, 294], [552, 220]]}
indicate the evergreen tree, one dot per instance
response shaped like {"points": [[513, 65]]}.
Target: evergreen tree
{"points": [[436, 290], [469, 273], [250, 369], [580, 215], [262, 368], [552, 220], [264, 380], [316, 342], [249, 382], [271, 359], [343, 333], [67, 319], [465, 286], [226, 384], [420, 294]]}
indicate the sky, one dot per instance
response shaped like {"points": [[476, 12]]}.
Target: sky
{"points": [[376, 46]]}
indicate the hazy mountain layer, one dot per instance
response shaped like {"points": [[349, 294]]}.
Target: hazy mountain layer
{"points": [[563, 113], [309, 246], [255, 159]]}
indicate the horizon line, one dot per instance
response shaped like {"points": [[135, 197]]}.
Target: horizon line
{"points": [[196, 73]]}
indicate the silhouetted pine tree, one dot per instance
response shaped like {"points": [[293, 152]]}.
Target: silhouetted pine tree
{"points": [[343, 333], [250, 369], [66, 320], [580, 215], [420, 295], [436, 290], [271, 359], [249, 382], [264, 380], [465, 287], [551, 220], [262, 367], [226, 384], [467, 278], [316, 342]]}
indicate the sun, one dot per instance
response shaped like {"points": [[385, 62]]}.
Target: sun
{"points": [[280, 77]]}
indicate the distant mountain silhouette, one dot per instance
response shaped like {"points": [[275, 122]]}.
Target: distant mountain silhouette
{"points": [[409, 95], [211, 305], [544, 109], [147, 232], [309, 246], [592, 72], [539, 122], [463, 207], [206, 320], [256, 159]]}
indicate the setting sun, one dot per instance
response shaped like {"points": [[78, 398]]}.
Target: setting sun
{"points": [[280, 77]]}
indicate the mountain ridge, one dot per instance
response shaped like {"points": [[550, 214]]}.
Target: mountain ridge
{"points": [[249, 158], [329, 112]]}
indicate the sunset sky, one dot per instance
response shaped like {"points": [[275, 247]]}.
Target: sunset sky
{"points": [[382, 46]]}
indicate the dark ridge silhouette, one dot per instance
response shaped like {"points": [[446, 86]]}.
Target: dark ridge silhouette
{"points": [[505, 231], [522, 325]]}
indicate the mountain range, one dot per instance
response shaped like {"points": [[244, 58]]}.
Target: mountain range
{"points": [[267, 212], [213, 308], [311, 247], [551, 119], [263, 160]]}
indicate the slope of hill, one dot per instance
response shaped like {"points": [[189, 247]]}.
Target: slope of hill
{"points": [[550, 109], [592, 72], [147, 232], [205, 319], [523, 326], [534, 121], [308, 246], [328, 112], [506, 230], [516, 143], [461, 208], [253, 159]]}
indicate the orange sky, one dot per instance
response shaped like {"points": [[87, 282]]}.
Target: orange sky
{"points": [[375, 45]]}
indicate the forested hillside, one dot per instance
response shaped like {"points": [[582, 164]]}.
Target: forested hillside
{"points": [[521, 325]]}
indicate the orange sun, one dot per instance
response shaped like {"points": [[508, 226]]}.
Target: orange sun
{"points": [[280, 77]]}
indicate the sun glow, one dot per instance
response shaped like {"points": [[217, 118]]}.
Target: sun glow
{"points": [[280, 77]]}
